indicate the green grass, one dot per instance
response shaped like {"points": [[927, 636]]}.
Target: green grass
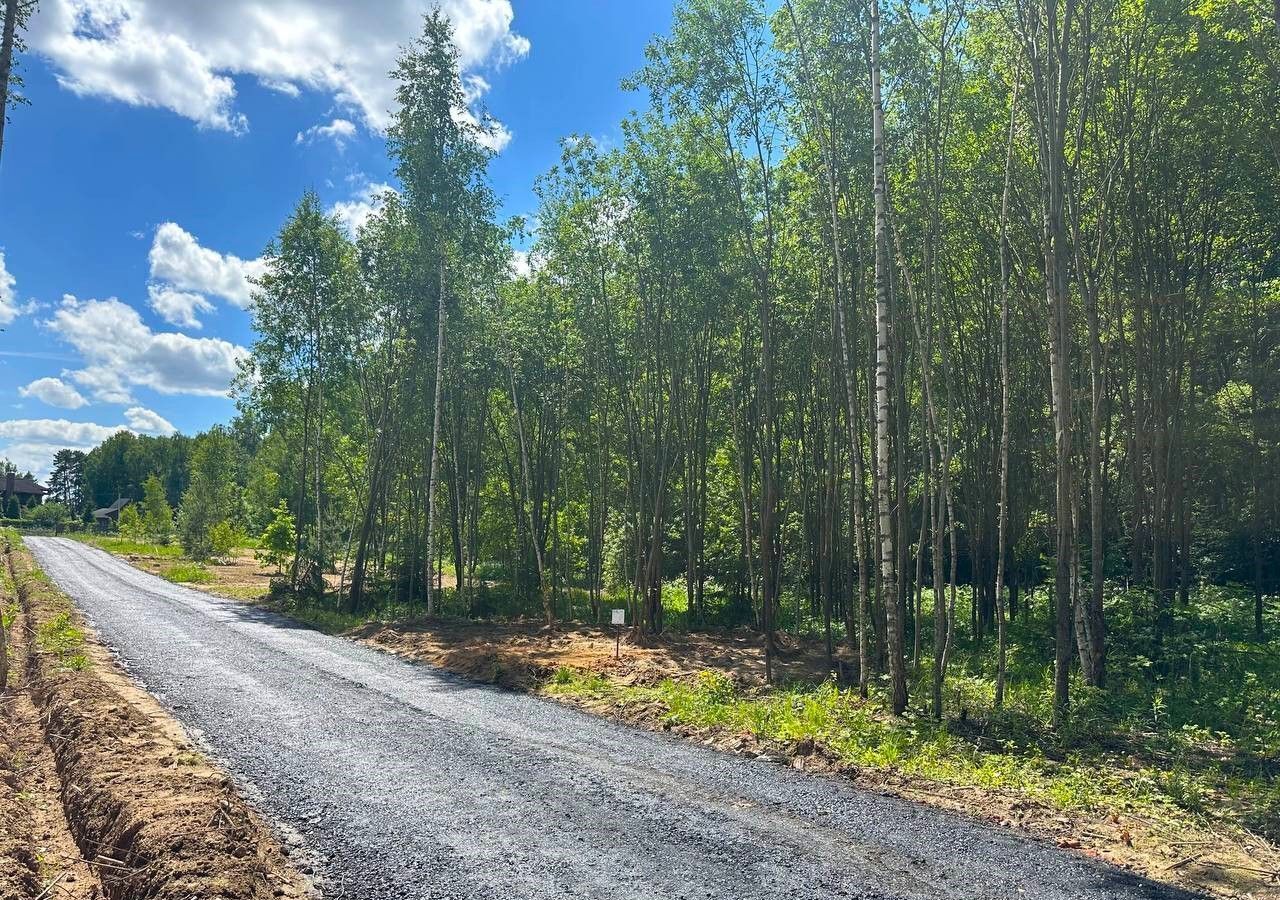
{"points": [[64, 640], [125, 547], [187, 573]]}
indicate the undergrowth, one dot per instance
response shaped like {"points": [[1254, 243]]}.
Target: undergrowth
{"points": [[187, 573]]}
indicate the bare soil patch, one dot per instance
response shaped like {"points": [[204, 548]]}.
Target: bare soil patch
{"points": [[521, 655], [151, 814]]}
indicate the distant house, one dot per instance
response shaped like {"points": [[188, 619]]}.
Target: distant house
{"points": [[25, 489], [108, 514]]}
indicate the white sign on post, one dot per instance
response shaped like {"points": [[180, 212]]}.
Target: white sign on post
{"points": [[619, 618]]}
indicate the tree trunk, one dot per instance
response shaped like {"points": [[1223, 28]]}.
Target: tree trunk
{"points": [[433, 465], [888, 560], [6, 61], [1002, 548]]}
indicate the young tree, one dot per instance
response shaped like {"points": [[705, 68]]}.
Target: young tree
{"points": [[131, 524], [212, 496], [306, 313], [157, 516], [441, 160], [884, 462], [276, 543]]}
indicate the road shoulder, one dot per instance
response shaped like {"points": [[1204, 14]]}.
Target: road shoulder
{"points": [[150, 814]]}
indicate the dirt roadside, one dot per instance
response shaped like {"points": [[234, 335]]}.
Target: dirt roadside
{"points": [[523, 656], [115, 799]]}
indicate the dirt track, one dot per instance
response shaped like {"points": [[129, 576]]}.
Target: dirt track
{"points": [[409, 782]]}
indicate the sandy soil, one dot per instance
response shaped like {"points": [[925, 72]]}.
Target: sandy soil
{"points": [[521, 655], [124, 805]]}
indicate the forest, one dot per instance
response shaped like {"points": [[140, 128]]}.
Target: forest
{"points": [[887, 328]]}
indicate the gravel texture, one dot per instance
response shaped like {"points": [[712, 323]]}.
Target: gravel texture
{"points": [[405, 781]]}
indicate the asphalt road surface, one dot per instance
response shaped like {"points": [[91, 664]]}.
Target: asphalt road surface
{"points": [[406, 781]]}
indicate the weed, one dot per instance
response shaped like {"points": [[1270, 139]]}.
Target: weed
{"points": [[187, 573], [60, 637]]}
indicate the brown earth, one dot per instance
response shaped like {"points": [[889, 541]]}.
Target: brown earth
{"points": [[151, 815], [521, 655]]}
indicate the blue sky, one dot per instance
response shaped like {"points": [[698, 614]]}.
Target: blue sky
{"points": [[166, 142]]}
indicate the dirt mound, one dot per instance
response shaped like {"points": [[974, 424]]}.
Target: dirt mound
{"points": [[151, 814]]}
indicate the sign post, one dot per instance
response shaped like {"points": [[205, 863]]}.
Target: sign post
{"points": [[619, 620]]}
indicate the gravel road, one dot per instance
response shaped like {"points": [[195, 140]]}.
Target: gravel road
{"points": [[406, 781]]}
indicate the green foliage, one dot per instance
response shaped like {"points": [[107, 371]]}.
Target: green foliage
{"points": [[13, 509], [187, 573], [276, 545], [131, 525], [60, 637], [120, 465], [212, 497], [224, 538], [157, 515], [67, 480], [124, 546], [48, 515]]}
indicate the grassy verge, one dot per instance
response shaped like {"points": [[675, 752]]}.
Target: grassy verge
{"points": [[123, 546]]}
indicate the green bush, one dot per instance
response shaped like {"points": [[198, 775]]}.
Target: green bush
{"points": [[48, 515], [224, 538], [64, 640], [278, 538]]}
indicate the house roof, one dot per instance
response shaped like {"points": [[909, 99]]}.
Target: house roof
{"points": [[23, 485], [114, 507]]}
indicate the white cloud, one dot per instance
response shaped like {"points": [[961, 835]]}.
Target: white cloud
{"points": [[31, 443], [178, 307], [10, 308], [179, 262], [55, 392], [57, 431], [355, 212], [121, 352], [339, 131], [182, 56], [520, 264], [288, 88], [183, 273], [147, 421]]}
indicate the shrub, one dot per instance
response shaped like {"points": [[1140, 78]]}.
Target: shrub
{"points": [[224, 538], [48, 515], [277, 541], [131, 524]]}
